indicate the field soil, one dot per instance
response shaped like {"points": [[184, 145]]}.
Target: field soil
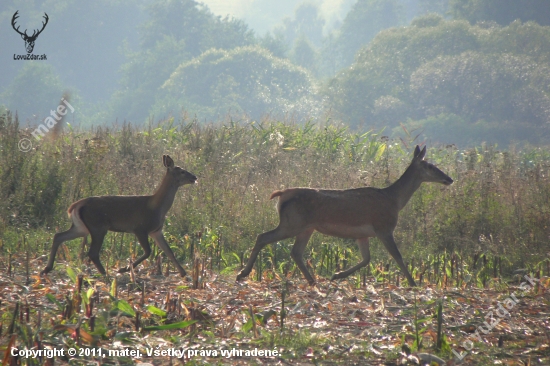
{"points": [[343, 322]]}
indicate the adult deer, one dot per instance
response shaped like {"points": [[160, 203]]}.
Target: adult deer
{"points": [[141, 215], [359, 213]]}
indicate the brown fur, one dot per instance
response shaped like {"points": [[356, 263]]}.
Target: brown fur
{"points": [[71, 207], [141, 215], [357, 213], [275, 194]]}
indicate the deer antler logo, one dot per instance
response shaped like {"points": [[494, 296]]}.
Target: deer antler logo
{"points": [[29, 40]]}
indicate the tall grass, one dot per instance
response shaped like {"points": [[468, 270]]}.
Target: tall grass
{"points": [[498, 209]]}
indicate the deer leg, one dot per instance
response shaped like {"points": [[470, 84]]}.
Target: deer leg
{"points": [[143, 239], [297, 253], [390, 245], [363, 245], [95, 248], [161, 242], [261, 241], [82, 254], [59, 238]]}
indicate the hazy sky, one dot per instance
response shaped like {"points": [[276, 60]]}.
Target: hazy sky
{"points": [[263, 15]]}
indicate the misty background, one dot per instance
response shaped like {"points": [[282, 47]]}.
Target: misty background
{"points": [[451, 71]]}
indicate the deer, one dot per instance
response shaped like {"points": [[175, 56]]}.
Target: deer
{"points": [[141, 215], [29, 40], [358, 213]]}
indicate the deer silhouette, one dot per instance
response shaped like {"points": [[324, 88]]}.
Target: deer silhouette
{"points": [[29, 40]]}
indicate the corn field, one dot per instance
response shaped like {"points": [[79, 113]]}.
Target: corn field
{"points": [[492, 221]]}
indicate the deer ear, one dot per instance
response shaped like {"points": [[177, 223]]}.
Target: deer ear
{"points": [[416, 152], [422, 153], [419, 154], [167, 161]]}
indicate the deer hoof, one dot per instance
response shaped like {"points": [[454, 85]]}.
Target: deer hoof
{"points": [[124, 270], [240, 276]]}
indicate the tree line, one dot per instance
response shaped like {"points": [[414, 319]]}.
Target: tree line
{"points": [[447, 68]]}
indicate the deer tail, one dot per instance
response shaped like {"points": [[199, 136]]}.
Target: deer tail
{"points": [[276, 194], [74, 214]]}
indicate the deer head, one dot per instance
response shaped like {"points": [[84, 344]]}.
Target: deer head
{"points": [[427, 172], [29, 40]]}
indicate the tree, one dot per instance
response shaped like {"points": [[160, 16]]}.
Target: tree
{"points": [[304, 54], [363, 22], [518, 38], [246, 80], [502, 12], [34, 92], [142, 75], [438, 67], [384, 67], [275, 44], [193, 23], [176, 31], [492, 87], [433, 6], [307, 23]]}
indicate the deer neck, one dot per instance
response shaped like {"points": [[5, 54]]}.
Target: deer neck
{"points": [[164, 196], [403, 188]]}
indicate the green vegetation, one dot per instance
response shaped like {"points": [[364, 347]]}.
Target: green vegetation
{"points": [[502, 12], [365, 19], [309, 105], [497, 209], [479, 75], [436, 68], [243, 81], [470, 236], [38, 80]]}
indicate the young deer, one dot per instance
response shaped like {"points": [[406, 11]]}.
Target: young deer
{"points": [[141, 215], [358, 213]]}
